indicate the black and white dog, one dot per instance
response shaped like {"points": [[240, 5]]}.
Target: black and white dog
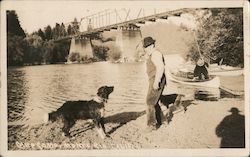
{"points": [[71, 111], [171, 100]]}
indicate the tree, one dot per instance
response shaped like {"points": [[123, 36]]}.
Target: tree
{"points": [[100, 52], [13, 25], [62, 30], [56, 31], [34, 51], [41, 34], [16, 46], [74, 57], [75, 26], [59, 52], [69, 30], [220, 35], [47, 52], [48, 33]]}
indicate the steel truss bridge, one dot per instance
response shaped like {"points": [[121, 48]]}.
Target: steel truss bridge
{"points": [[116, 19]]}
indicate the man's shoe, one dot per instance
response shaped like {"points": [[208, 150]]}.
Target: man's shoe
{"points": [[157, 126], [150, 129]]}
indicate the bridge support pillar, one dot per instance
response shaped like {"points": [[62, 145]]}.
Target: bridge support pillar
{"points": [[81, 46], [127, 40]]}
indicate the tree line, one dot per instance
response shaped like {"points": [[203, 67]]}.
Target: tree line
{"points": [[37, 47], [219, 35], [40, 47]]}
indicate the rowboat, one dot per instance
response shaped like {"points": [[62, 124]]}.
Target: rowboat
{"points": [[225, 70], [213, 81], [228, 72], [217, 70]]}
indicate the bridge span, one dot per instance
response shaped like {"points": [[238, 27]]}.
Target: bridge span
{"points": [[127, 30]]}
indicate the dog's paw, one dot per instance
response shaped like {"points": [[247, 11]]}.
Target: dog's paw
{"points": [[65, 134], [105, 136]]}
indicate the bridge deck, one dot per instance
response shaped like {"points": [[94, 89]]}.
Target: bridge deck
{"points": [[152, 18]]}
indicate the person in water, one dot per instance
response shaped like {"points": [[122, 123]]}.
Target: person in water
{"points": [[157, 81]]}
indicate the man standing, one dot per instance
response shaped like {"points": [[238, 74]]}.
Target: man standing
{"points": [[157, 81]]}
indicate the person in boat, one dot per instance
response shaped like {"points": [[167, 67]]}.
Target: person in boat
{"points": [[200, 70], [157, 81]]}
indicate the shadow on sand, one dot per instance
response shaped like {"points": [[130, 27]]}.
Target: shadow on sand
{"points": [[232, 130], [122, 119]]}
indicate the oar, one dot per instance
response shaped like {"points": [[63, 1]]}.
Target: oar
{"points": [[197, 44]]}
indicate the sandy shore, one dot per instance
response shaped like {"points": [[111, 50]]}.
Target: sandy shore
{"points": [[194, 128]]}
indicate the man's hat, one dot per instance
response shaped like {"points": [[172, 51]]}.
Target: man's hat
{"points": [[147, 41], [234, 110]]}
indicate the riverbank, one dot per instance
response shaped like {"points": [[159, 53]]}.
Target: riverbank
{"points": [[234, 83], [195, 128], [125, 116]]}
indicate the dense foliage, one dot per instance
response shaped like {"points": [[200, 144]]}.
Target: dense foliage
{"points": [[15, 35], [100, 52], [35, 48], [107, 51], [13, 25], [40, 46], [219, 36]]}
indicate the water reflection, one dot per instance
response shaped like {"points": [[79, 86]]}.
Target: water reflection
{"points": [[18, 96], [36, 90]]}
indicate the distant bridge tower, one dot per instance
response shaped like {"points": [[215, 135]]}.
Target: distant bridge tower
{"points": [[90, 26], [75, 26]]}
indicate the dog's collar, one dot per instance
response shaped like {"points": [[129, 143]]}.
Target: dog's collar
{"points": [[99, 99]]}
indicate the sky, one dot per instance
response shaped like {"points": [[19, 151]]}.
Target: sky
{"points": [[38, 14]]}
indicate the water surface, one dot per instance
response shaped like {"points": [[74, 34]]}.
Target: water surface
{"points": [[37, 90]]}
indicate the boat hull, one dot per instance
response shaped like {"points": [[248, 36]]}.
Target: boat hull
{"points": [[228, 72], [212, 83]]}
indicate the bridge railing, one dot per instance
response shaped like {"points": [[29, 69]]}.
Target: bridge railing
{"points": [[125, 23]]}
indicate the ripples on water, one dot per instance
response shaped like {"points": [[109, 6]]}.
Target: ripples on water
{"points": [[37, 90]]}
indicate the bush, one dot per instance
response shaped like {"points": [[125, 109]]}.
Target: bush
{"points": [[114, 53], [100, 52], [74, 57], [107, 51]]}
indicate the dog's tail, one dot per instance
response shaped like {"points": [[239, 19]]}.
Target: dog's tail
{"points": [[178, 99]]}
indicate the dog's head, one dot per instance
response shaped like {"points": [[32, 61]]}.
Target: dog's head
{"points": [[53, 116], [104, 91], [50, 117]]}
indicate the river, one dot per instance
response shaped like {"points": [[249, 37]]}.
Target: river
{"points": [[37, 90]]}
